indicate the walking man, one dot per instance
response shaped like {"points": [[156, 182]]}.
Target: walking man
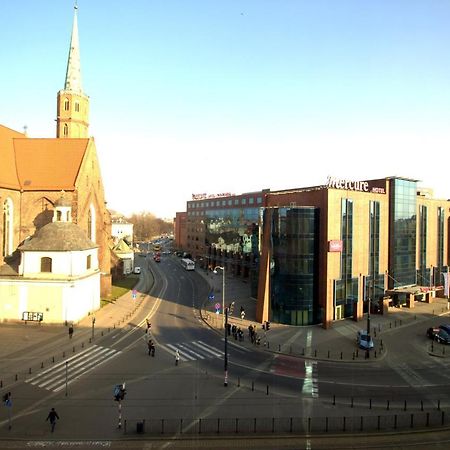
{"points": [[52, 417], [149, 325], [70, 331]]}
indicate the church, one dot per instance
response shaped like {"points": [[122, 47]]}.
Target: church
{"points": [[36, 176]]}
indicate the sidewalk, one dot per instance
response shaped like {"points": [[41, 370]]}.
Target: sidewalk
{"points": [[337, 343]]}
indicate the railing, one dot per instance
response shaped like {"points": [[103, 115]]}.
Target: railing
{"points": [[289, 425]]}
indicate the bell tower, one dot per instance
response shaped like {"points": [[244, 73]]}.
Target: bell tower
{"points": [[72, 104]]}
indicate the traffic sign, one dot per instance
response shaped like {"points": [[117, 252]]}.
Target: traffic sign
{"points": [[217, 306], [211, 296]]}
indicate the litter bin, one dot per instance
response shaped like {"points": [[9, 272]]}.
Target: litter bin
{"points": [[139, 427]]}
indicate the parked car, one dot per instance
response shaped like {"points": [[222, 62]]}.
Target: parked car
{"points": [[137, 269], [157, 258], [445, 327], [442, 336], [364, 341]]}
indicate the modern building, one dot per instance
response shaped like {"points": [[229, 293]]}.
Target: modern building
{"points": [[324, 253]]}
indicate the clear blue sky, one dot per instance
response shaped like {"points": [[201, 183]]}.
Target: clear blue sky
{"points": [[213, 96]]}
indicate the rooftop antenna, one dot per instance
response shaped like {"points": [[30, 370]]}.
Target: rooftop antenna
{"points": [[25, 128]]}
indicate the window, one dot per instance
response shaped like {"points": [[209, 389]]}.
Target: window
{"points": [[77, 107], [46, 264], [7, 243], [251, 201], [244, 201], [88, 262], [66, 130], [66, 105]]}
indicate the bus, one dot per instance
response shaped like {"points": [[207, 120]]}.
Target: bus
{"points": [[156, 247], [188, 264]]}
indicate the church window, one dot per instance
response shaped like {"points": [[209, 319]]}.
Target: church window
{"points": [[7, 240], [91, 223], [66, 130], [88, 261], [46, 264], [77, 107], [66, 105]]}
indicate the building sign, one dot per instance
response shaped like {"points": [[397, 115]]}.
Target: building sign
{"points": [[349, 185], [205, 196], [32, 316], [335, 245]]}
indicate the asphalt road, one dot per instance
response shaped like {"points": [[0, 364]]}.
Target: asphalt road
{"points": [[261, 385]]}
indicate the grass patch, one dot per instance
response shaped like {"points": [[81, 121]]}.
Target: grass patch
{"points": [[119, 288]]}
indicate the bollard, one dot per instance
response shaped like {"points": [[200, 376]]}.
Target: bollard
{"points": [[404, 408], [254, 425], [102, 333], [64, 354], [439, 405], [353, 356], [273, 424], [390, 324], [309, 424], [82, 345], [303, 351], [421, 405], [395, 422], [357, 353], [29, 370], [334, 400], [42, 364], [267, 390], [412, 420], [351, 404], [1, 383], [17, 377], [279, 347], [162, 426], [239, 381], [253, 385], [53, 359], [378, 425], [343, 424], [90, 340], [315, 353], [341, 355], [326, 424], [442, 418], [387, 405], [290, 425], [428, 419], [73, 349], [400, 320], [361, 426], [370, 403], [375, 353]]}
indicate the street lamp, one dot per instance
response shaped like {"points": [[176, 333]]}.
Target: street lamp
{"points": [[223, 291], [225, 360]]}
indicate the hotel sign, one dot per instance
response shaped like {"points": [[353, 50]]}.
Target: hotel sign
{"points": [[350, 185], [205, 196]]}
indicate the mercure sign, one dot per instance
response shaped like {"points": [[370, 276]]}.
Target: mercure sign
{"points": [[362, 186]]}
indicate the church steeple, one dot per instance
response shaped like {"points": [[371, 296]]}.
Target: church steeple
{"points": [[72, 104], [73, 72]]}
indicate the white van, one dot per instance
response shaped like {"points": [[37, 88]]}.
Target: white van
{"points": [[137, 269]]}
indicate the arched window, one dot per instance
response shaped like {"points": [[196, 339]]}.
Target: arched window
{"points": [[7, 241], [66, 105], [88, 262], [46, 264], [77, 107], [66, 130]]}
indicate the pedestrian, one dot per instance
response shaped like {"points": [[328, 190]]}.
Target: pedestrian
{"points": [[70, 331], [150, 346], [242, 315], [149, 325], [177, 357], [52, 417]]}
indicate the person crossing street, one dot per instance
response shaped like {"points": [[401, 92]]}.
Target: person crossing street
{"points": [[52, 417]]}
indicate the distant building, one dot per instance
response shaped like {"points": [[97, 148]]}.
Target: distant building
{"points": [[325, 253], [121, 229]]}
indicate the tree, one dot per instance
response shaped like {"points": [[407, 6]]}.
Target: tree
{"points": [[147, 226]]}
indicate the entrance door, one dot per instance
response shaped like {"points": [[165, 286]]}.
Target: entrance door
{"points": [[339, 312]]}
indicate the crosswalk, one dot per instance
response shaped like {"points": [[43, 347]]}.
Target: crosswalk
{"points": [[197, 350], [66, 372]]}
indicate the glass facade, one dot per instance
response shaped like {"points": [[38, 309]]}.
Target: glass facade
{"points": [[440, 269], [294, 264], [232, 230], [374, 282], [403, 197], [346, 289], [423, 274]]}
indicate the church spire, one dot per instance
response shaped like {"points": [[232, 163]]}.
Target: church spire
{"points": [[72, 119], [73, 73]]}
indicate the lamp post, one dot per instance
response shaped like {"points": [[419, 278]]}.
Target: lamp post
{"points": [[222, 268], [225, 359]]}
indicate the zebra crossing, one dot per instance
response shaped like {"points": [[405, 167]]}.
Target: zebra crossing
{"points": [[66, 372], [311, 381], [195, 350]]}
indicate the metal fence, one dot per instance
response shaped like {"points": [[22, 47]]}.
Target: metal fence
{"points": [[288, 425]]}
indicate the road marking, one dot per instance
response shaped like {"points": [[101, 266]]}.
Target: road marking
{"points": [[54, 378], [310, 383]]}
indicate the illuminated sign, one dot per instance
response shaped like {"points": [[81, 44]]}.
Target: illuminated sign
{"points": [[350, 185]]}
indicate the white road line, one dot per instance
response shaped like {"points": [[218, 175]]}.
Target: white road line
{"points": [[208, 350], [187, 349]]}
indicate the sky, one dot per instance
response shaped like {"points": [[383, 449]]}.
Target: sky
{"points": [[214, 96]]}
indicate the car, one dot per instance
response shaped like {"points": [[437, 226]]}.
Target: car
{"points": [[432, 332], [137, 269], [441, 336], [445, 327], [157, 258], [364, 341]]}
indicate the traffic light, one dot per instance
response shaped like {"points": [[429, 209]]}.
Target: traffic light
{"points": [[267, 325], [231, 308]]}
